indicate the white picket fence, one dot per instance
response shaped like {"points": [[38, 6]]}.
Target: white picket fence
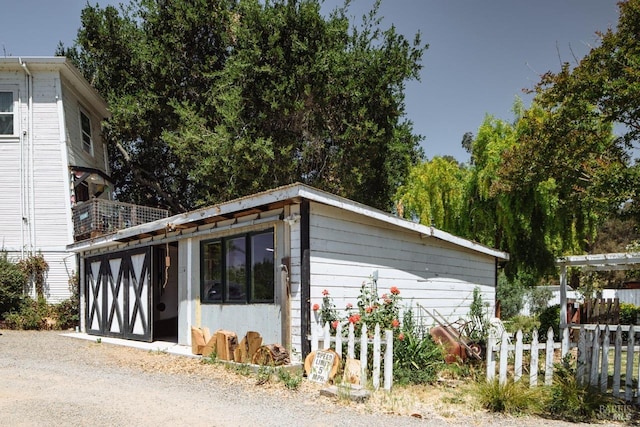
{"points": [[598, 362], [321, 338], [594, 356], [502, 347]]}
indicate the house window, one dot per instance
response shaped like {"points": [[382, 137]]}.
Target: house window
{"points": [[238, 269], [85, 129], [7, 113]]}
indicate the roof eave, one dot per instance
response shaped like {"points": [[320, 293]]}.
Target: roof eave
{"points": [[292, 193]]}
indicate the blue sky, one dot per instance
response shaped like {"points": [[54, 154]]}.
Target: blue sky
{"points": [[481, 53]]}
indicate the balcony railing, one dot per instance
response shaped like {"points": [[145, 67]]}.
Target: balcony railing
{"points": [[98, 216]]}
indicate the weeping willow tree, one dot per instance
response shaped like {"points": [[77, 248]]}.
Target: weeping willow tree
{"points": [[434, 193], [533, 188]]}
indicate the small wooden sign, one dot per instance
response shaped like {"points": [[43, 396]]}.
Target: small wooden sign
{"points": [[321, 367]]}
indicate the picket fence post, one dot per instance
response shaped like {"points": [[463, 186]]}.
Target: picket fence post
{"points": [[364, 344], [533, 368], [339, 340], [564, 349], [350, 344], [504, 359], [548, 366], [604, 365], [582, 355], [376, 357], [327, 335], [491, 359], [518, 360], [595, 356], [617, 362], [628, 381], [388, 360]]}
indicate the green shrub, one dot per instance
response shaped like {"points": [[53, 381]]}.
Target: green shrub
{"points": [[264, 374], [35, 267], [12, 283], [514, 398], [538, 297], [32, 314], [290, 381], [629, 314], [511, 294], [66, 314], [417, 359], [526, 324], [571, 401], [550, 317]]}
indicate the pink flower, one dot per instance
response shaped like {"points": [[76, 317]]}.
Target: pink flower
{"points": [[355, 318], [368, 309], [401, 336], [334, 324], [384, 296], [349, 306], [395, 323], [394, 290], [316, 307], [325, 292]]}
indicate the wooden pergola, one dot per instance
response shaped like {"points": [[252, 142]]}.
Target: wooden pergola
{"points": [[596, 262]]}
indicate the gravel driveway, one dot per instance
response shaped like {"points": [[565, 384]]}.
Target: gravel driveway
{"points": [[54, 380]]}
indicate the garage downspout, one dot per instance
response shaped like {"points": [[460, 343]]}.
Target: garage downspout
{"points": [[305, 277], [23, 134]]}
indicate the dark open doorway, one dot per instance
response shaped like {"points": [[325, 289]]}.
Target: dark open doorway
{"points": [[165, 292]]}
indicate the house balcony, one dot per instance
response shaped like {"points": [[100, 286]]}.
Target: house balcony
{"points": [[98, 217]]}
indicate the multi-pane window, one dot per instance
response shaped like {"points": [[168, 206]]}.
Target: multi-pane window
{"points": [[85, 128], [7, 114], [239, 269]]}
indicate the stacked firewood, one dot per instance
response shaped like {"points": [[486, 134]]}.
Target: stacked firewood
{"points": [[226, 347]]}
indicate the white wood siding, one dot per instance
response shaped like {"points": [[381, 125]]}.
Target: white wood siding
{"points": [[10, 147], [77, 155], [50, 190], [348, 248], [44, 190], [50, 215], [10, 220], [295, 308]]}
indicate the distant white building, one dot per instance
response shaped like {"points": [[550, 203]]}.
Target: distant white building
{"points": [[51, 156]]}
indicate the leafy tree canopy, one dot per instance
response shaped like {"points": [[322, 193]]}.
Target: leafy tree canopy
{"points": [[434, 193], [544, 185], [212, 100]]}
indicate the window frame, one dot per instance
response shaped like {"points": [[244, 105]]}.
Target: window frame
{"points": [[86, 148], [248, 283], [14, 113]]}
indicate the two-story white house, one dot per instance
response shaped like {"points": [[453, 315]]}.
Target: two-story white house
{"points": [[52, 157]]}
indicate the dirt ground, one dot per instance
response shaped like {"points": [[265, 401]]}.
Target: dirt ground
{"points": [[50, 379]]}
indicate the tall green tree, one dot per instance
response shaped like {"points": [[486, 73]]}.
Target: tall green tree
{"points": [[602, 90], [434, 192], [219, 99], [540, 187]]}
